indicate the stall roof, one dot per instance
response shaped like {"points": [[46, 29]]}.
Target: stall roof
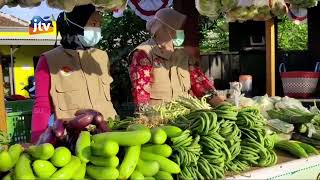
{"points": [[11, 25], [11, 21], [26, 40]]}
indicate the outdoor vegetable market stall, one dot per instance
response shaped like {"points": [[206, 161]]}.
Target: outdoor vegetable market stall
{"points": [[185, 139], [244, 138]]}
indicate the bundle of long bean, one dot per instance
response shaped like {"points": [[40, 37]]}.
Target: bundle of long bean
{"points": [[256, 145], [194, 103]]}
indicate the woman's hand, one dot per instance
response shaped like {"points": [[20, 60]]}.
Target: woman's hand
{"points": [[216, 100]]}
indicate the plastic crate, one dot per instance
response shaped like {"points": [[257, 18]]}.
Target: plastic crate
{"points": [[19, 126], [19, 106], [19, 115]]}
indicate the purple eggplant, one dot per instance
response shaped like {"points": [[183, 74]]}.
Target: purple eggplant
{"points": [[47, 137], [58, 129], [100, 123], [87, 111], [81, 121]]}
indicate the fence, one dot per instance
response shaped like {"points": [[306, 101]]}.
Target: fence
{"points": [[221, 67]]}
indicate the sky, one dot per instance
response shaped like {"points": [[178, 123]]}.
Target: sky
{"points": [[27, 13]]}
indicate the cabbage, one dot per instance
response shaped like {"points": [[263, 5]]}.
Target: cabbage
{"points": [[210, 8], [229, 4], [287, 102], [314, 108], [246, 102], [258, 10], [303, 3], [279, 8], [265, 104]]}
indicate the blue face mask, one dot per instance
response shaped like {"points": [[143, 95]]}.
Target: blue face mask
{"points": [[91, 36]]}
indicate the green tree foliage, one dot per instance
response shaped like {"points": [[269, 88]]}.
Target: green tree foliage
{"points": [[120, 37], [292, 36], [215, 35]]}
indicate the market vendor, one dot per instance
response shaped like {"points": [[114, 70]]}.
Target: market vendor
{"points": [[160, 69], [73, 76]]}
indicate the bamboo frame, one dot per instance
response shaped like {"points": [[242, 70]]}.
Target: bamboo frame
{"points": [[3, 117], [270, 57]]}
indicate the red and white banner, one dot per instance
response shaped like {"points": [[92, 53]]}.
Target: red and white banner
{"points": [[146, 9], [298, 15]]}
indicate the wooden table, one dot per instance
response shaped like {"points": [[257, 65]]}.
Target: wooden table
{"points": [[287, 168]]}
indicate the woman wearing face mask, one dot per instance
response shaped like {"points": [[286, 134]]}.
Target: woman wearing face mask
{"points": [[75, 75], [161, 71]]}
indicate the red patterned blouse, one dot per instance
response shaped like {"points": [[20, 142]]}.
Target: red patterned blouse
{"points": [[141, 78]]}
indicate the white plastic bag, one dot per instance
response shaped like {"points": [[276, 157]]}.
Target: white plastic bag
{"points": [[235, 93], [287, 102]]}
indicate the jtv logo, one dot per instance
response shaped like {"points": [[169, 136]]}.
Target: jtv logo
{"points": [[40, 25]]}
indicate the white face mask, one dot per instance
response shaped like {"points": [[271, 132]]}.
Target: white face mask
{"points": [[180, 37], [91, 36]]}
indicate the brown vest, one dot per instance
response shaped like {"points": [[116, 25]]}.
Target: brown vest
{"points": [[170, 75], [79, 80]]}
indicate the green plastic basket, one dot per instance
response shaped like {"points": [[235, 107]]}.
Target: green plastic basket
{"points": [[19, 116], [19, 106], [19, 126]]}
